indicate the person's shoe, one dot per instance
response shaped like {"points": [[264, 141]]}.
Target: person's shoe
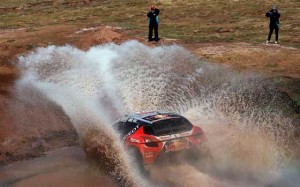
{"points": [[276, 42], [156, 39], [268, 41]]}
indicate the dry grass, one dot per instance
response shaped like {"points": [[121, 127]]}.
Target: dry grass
{"points": [[192, 21], [277, 61]]}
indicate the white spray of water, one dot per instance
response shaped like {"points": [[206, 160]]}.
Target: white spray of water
{"points": [[81, 86], [96, 87]]}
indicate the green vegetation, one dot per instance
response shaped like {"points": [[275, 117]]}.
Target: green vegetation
{"points": [[191, 21]]}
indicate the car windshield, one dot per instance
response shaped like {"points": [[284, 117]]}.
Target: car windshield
{"points": [[168, 126]]}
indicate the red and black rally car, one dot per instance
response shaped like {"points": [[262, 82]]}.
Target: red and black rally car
{"points": [[149, 135]]}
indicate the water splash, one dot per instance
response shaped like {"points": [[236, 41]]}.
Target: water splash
{"points": [[243, 114]]}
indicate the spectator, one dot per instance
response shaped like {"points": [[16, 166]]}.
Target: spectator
{"points": [[153, 23], [274, 16]]}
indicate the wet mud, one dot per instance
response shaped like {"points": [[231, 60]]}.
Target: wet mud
{"points": [[63, 167]]}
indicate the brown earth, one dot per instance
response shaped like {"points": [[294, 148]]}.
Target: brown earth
{"points": [[31, 133], [63, 167]]}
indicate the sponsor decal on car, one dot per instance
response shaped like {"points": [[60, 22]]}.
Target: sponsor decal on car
{"points": [[176, 145], [148, 154], [186, 133], [131, 132], [174, 136], [133, 140]]}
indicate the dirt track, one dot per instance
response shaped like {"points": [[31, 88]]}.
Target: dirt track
{"points": [[27, 130], [33, 142], [45, 138], [63, 167]]}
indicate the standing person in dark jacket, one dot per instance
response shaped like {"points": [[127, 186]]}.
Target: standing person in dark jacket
{"points": [[153, 23], [274, 16]]}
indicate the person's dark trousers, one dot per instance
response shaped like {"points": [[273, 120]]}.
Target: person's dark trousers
{"points": [[151, 28], [271, 32], [156, 32]]}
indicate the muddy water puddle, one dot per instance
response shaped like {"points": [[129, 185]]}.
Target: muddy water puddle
{"points": [[60, 168]]}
